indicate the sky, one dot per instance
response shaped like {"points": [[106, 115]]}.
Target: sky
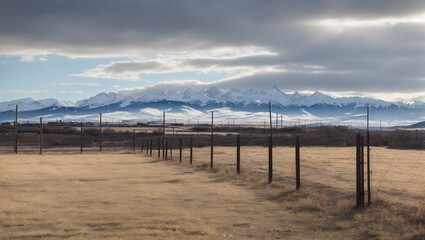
{"points": [[72, 50]]}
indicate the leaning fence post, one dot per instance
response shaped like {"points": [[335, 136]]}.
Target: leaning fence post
{"points": [[191, 150], [181, 148], [297, 162], [238, 154], [270, 159]]}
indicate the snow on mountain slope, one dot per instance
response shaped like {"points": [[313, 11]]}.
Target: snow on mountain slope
{"points": [[320, 98], [28, 104], [101, 99], [241, 97]]}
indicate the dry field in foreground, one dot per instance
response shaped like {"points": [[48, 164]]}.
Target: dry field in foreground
{"points": [[131, 196]]}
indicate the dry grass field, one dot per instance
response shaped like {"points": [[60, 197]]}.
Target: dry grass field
{"points": [[123, 195]]}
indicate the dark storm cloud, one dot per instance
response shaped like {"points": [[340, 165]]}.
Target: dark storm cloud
{"points": [[189, 24], [385, 57]]}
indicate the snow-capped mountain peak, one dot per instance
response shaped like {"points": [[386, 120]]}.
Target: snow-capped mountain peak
{"points": [[204, 97], [29, 104]]}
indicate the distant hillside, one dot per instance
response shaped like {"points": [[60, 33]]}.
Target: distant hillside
{"points": [[417, 125], [247, 105]]}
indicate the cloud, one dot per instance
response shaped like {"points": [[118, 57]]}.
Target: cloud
{"points": [[22, 91], [70, 92], [181, 62], [126, 70], [32, 58], [176, 85], [341, 24], [78, 84], [329, 45], [27, 58]]}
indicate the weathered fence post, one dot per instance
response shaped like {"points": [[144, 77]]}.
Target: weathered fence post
{"points": [[100, 131], [297, 162], [359, 172], [150, 147], [191, 151], [41, 135], [362, 169], [181, 149], [238, 154], [81, 137], [368, 157], [270, 145], [142, 142], [134, 140], [212, 140], [15, 137], [358, 201], [171, 149], [270, 159], [166, 149], [159, 147], [163, 134]]}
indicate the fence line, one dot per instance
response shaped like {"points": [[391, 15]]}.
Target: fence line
{"points": [[166, 145]]}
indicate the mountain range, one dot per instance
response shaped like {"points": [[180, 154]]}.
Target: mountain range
{"points": [[191, 103]]}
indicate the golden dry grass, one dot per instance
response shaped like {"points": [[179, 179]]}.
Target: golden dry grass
{"points": [[328, 186], [131, 196]]}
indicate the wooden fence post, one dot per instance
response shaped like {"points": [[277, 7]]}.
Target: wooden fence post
{"points": [[150, 147], [297, 162], [357, 170], [181, 149], [41, 135], [100, 131], [212, 140], [359, 178], [238, 154], [171, 149], [166, 149], [368, 169], [81, 137], [191, 150], [142, 142], [270, 159], [15, 137], [163, 134], [159, 147], [134, 140], [362, 145]]}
